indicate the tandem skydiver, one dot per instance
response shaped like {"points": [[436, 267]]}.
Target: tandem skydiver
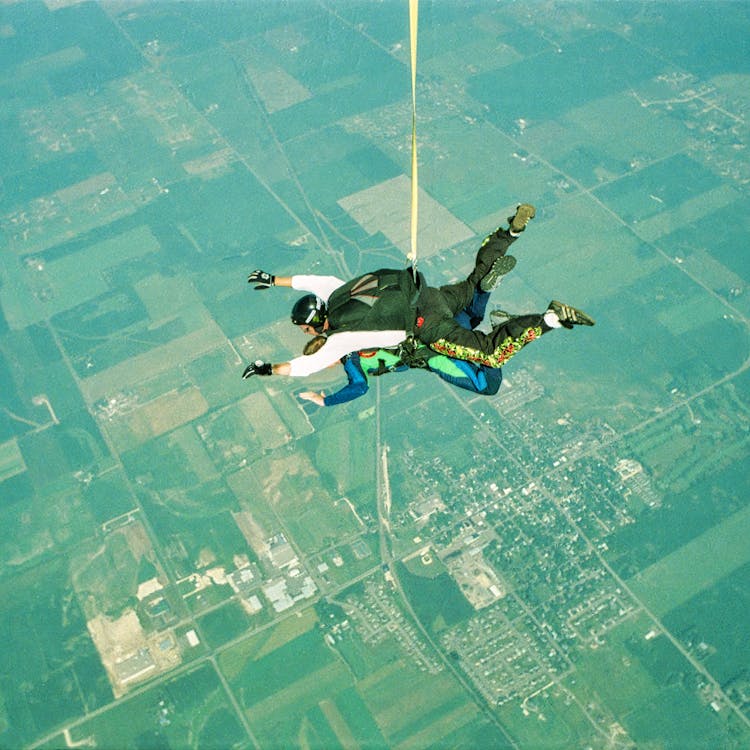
{"points": [[385, 308], [360, 366]]}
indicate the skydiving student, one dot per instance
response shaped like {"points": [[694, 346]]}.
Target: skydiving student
{"points": [[359, 366], [384, 308]]}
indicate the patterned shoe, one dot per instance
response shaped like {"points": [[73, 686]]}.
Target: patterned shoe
{"points": [[525, 212], [503, 265], [569, 316]]}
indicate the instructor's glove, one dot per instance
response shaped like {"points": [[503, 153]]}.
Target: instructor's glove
{"points": [[257, 368], [263, 279]]}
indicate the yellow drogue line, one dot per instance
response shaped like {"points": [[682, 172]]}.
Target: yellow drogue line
{"points": [[413, 22]]}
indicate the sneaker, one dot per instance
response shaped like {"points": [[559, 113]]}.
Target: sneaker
{"points": [[525, 212], [569, 316], [504, 264]]}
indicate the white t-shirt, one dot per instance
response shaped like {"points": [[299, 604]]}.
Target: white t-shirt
{"points": [[338, 344]]}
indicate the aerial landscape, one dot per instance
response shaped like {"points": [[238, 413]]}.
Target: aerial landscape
{"points": [[193, 560]]}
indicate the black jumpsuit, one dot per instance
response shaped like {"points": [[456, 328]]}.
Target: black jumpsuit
{"points": [[436, 327]]}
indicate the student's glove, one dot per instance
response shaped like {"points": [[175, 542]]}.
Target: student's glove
{"points": [[257, 368], [263, 279]]}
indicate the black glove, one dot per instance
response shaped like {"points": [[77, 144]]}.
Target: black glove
{"points": [[263, 279], [257, 368]]}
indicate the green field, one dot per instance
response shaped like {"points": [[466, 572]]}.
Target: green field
{"points": [[696, 566], [154, 154], [187, 710], [142, 367], [50, 674], [715, 619], [11, 460]]}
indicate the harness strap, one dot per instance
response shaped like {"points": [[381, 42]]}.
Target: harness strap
{"points": [[382, 369], [411, 353]]}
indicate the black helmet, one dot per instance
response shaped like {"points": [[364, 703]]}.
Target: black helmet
{"points": [[309, 310]]}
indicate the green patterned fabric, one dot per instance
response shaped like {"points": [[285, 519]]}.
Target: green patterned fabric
{"points": [[502, 354]]}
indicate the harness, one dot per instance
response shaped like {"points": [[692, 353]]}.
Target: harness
{"points": [[413, 353], [392, 364], [410, 353]]}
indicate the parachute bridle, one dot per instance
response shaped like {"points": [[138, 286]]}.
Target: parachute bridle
{"points": [[413, 23]]}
